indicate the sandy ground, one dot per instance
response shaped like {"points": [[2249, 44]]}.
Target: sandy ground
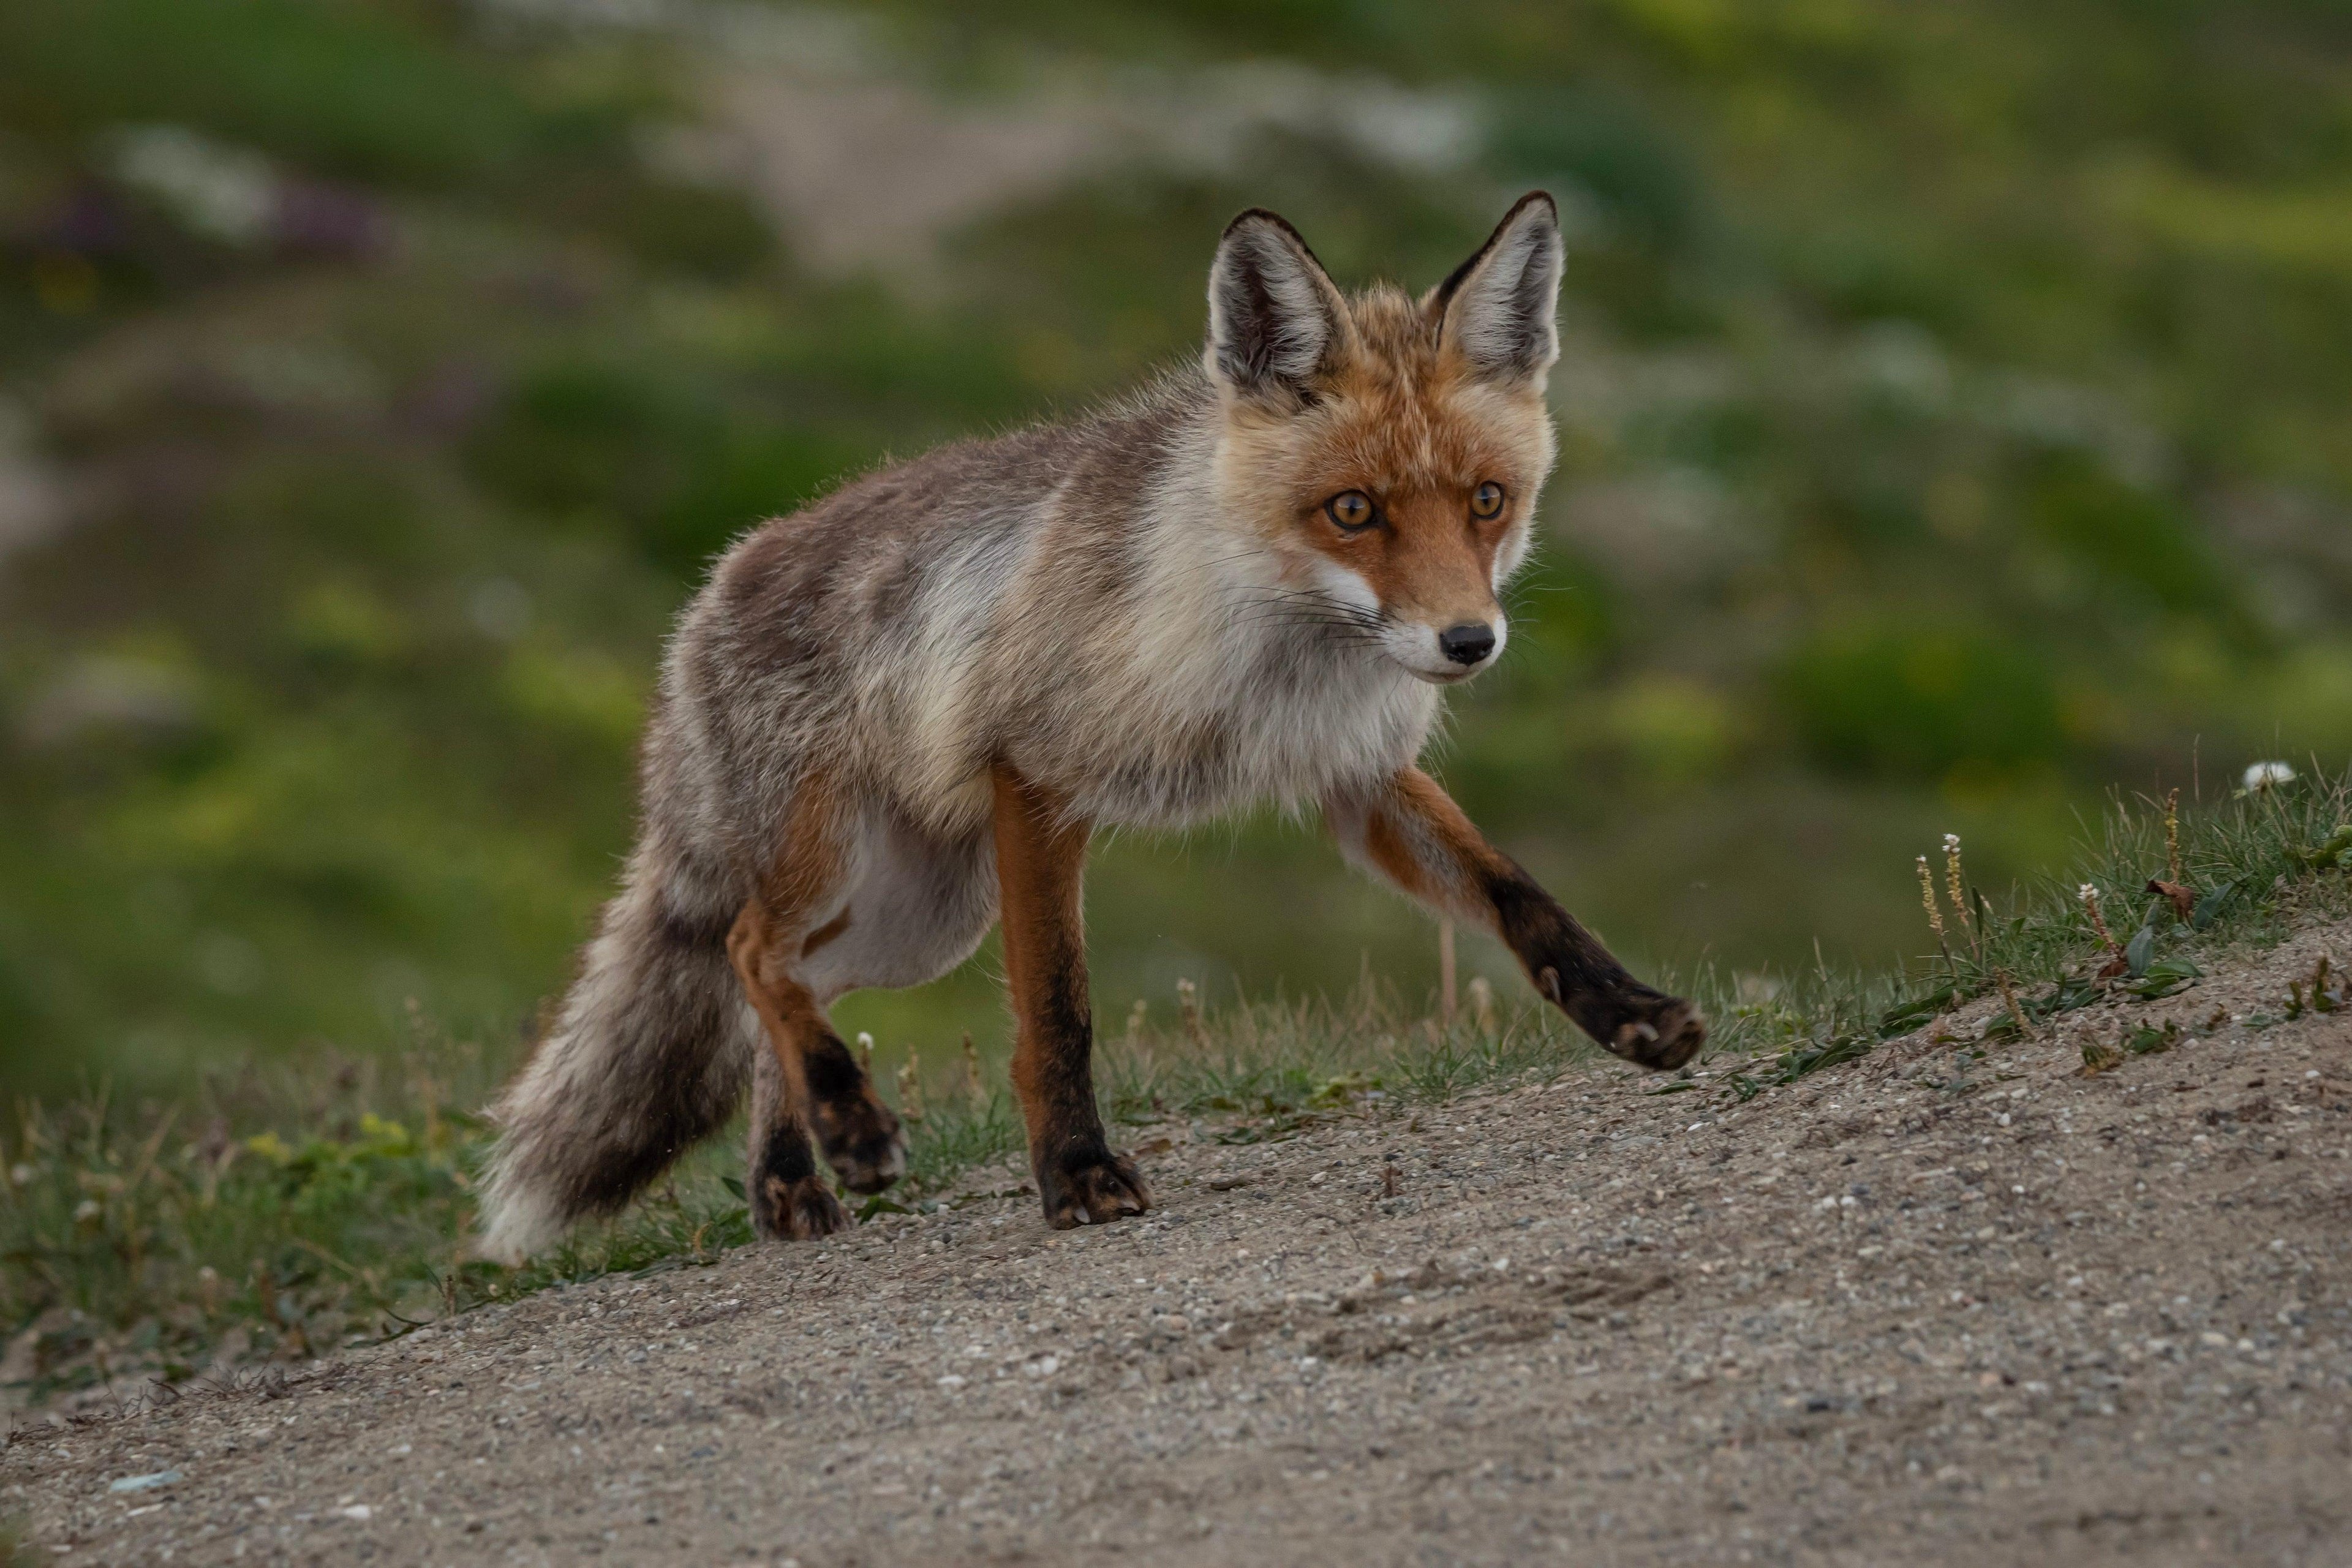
{"points": [[1913, 1310]]}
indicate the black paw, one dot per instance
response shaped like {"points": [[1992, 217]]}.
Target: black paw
{"points": [[1662, 1032], [1093, 1187], [800, 1210], [862, 1140]]}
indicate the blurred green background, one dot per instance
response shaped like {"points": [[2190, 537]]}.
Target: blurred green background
{"points": [[1956, 418]]}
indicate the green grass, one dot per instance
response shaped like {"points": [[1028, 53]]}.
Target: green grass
{"points": [[283, 1212], [18, 1548]]}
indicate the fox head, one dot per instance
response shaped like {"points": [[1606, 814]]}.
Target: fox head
{"points": [[1387, 451]]}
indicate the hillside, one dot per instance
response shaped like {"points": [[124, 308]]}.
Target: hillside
{"points": [[1955, 1300]]}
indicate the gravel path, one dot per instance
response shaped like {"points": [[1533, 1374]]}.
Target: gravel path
{"points": [[1917, 1309]]}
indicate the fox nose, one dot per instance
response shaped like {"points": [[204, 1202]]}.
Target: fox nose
{"points": [[1468, 643]]}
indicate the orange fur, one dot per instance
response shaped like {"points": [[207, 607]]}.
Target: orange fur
{"points": [[1403, 419]]}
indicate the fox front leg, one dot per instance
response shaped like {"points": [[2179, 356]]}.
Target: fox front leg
{"points": [[1411, 832], [1040, 867]]}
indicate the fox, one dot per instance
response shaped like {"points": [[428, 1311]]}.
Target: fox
{"points": [[895, 717]]}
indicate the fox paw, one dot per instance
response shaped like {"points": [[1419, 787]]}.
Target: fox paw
{"points": [[1663, 1032], [1092, 1188], [862, 1141], [799, 1210]]}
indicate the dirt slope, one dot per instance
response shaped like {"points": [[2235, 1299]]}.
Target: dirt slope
{"points": [[1892, 1313]]}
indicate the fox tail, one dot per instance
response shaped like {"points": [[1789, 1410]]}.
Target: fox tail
{"points": [[647, 1056]]}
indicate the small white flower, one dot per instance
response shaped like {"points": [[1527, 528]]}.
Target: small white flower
{"points": [[2267, 775], [1951, 843], [223, 191], [86, 1210], [2086, 892]]}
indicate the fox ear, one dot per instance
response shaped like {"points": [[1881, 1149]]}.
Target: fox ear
{"points": [[1499, 308], [1275, 320]]}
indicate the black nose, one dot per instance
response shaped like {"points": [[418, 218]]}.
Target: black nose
{"points": [[1468, 643]]}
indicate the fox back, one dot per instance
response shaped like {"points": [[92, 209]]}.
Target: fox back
{"points": [[1237, 586]]}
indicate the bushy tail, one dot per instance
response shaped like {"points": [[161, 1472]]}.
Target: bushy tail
{"points": [[646, 1059]]}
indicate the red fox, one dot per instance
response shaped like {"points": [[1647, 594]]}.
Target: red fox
{"points": [[895, 717]]}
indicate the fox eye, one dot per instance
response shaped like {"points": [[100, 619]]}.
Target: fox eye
{"points": [[1487, 501], [1352, 509]]}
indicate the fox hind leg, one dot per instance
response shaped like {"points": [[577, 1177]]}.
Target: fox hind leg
{"points": [[807, 1083], [860, 1135], [789, 1200], [912, 905]]}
